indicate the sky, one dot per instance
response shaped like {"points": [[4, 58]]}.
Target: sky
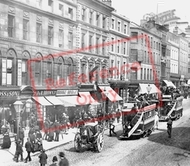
{"points": [[136, 9]]}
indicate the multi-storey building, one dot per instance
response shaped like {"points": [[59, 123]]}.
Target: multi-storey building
{"points": [[183, 58], [92, 36], [119, 53], [39, 30], [149, 58], [173, 40]]}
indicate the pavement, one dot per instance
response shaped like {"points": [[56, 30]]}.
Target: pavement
{"points": [[67, 138]]}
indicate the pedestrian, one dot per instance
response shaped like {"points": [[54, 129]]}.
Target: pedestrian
{"points": [[63, 160], [111, 127], [169, 127], [19, 150], [28, 146], [156, 120], [57, 130], [43, 158], [21, 135], [54, 161]]}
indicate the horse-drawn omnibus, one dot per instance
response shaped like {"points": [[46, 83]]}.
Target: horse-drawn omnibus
{"points": [[139, 123], [169, 107]]}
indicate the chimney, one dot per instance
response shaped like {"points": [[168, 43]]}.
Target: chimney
{"points": [[175, 31]]}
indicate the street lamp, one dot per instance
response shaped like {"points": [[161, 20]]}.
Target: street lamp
{"points": [[18, 104], [28, 107], [105, 93]]}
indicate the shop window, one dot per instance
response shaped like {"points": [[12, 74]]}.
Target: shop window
{"points": [[25, 29], [38, 32], [11, 25]]}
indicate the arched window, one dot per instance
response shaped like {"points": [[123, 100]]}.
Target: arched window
{"points": [[38, 69], [91, 65], [59, 68], [70, 70], [49, 67], [23, 77], [83, 74], [8, 68]]}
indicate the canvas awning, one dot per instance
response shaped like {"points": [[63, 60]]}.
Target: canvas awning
{"points": [[169, 83], [110, 93], [42, 101], [71, 99], [54, 100], [144, 89], [86, 98], [66, 103]]}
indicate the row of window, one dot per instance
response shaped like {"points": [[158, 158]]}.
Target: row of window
{"points": [[174, 67], [39, 32], [146, 74], [118, 26], [118, 46], [93, 18], [91, 40], [15, 71]]}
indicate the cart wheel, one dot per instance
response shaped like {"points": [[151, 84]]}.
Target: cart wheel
{"points": [[77, 142], [100, 142]]}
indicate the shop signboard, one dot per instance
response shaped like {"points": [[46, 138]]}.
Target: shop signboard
{"points": [[67, 92]]}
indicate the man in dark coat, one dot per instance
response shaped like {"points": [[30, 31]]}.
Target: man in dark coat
{"points": [[63, 160], [6, 141], [57, 130], [28, 147], [19, 150], [43, 158]]}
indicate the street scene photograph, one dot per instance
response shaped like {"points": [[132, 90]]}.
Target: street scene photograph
{"points": [[94, 83]]}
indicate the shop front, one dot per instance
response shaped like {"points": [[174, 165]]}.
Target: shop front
{"points": [[52, 104], [120, 87], [175, 78], [9, 116]]}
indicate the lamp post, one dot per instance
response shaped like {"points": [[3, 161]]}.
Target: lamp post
{"points": [[104, 93], [28, 107], [18, 104]]}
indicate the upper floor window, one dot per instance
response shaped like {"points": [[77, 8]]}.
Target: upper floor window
{"points": [[25, 29], [61, 9], [97, 42], [7, 71], [125, 29], [50, 35], [124, 48], [134, 37], [113, 23], [50, 3], [97, 19], [38, 32], [11, 25], [70, 40], [39, 3], [118, 46], [90, 42], [22, 72], [104, 22], [70, 11], [103, 46], [61, 37], [119, 26], [90, 17], [83, 14], [83, 40], [37, 73], [112, 45]]}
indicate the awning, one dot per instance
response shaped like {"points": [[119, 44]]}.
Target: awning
{"points": [[110, 93], [86, 98], [54, 100], [144, 89], [65, 103], [169, 83], [71, 99], [42, 101]]}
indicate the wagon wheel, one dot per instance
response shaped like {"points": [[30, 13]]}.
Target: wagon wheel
{"points": [[100, 142], [77, 142]]}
